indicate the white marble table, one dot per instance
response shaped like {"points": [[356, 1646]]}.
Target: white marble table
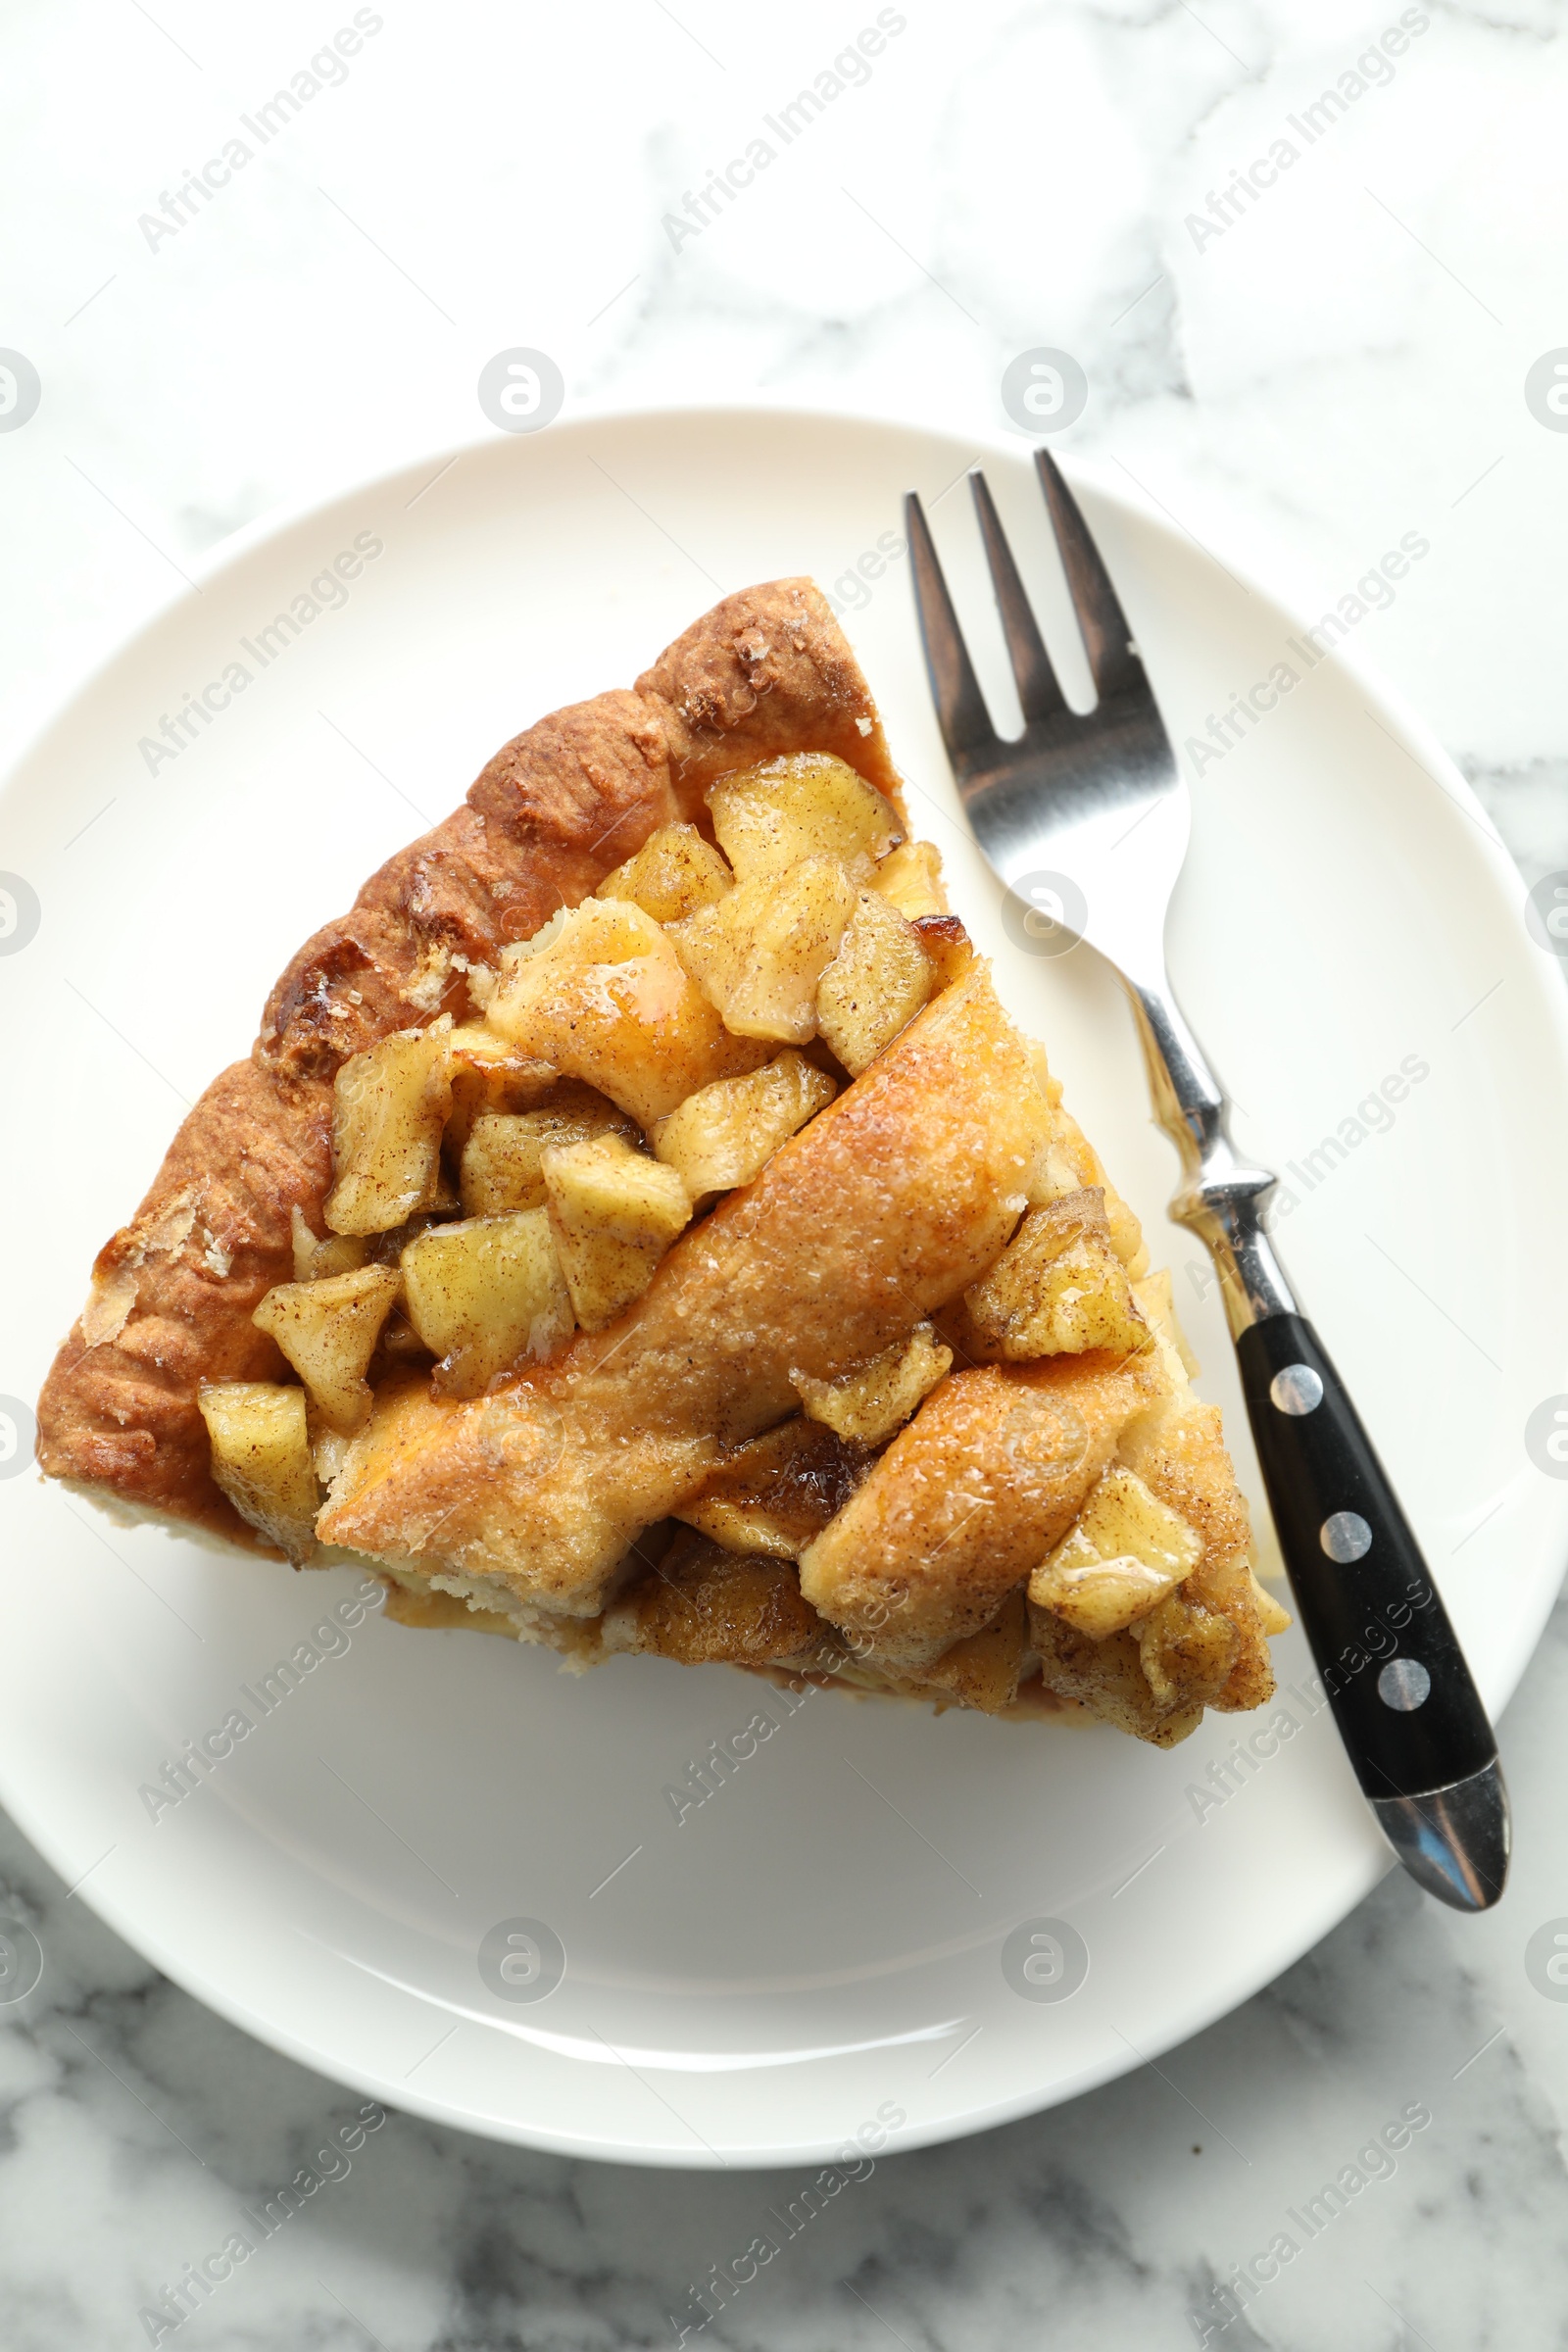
{"points": [[1302, 356]]}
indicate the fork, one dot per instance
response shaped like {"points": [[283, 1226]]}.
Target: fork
{"points": [[1086, 821]]}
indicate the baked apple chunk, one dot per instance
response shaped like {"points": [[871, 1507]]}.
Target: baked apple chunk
{"points": [[675, 873], [602, 995], [261, 1456], [1125, 1552], [329, 1329], [726, 1133], [613, 1213], [771, 819], [485, 1294], [876, 983], [390, 1106], [644, 1220], [867, 1404], [1059, 1287], [759, 952], [502, 1167]]}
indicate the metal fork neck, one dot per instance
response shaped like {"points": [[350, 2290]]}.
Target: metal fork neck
{"points": [[1222, 1198]]}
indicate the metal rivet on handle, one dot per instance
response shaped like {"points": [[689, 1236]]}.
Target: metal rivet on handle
{"points": [[1296, 1390], [1345, 1537], [1405, 1683]]}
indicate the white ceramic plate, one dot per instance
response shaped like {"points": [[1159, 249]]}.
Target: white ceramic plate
{"points": [[823, 1943]]}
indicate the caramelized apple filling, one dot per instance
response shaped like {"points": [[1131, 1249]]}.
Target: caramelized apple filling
{"points": [[740, 1208]]}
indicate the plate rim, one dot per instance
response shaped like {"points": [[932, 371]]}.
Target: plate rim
{"points": [[1411, 732]]}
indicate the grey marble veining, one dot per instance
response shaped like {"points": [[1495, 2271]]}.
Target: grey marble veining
{"points": [[1312, 369]]}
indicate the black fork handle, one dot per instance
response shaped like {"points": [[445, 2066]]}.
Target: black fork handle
{"points": [[1391, 1667]]}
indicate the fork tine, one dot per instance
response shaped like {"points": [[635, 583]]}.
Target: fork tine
{"points": [[1038, 691], [962, 711], [1107, 639]]}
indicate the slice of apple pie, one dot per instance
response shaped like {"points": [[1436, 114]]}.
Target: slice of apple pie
{"points": [[639, 1227]]}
